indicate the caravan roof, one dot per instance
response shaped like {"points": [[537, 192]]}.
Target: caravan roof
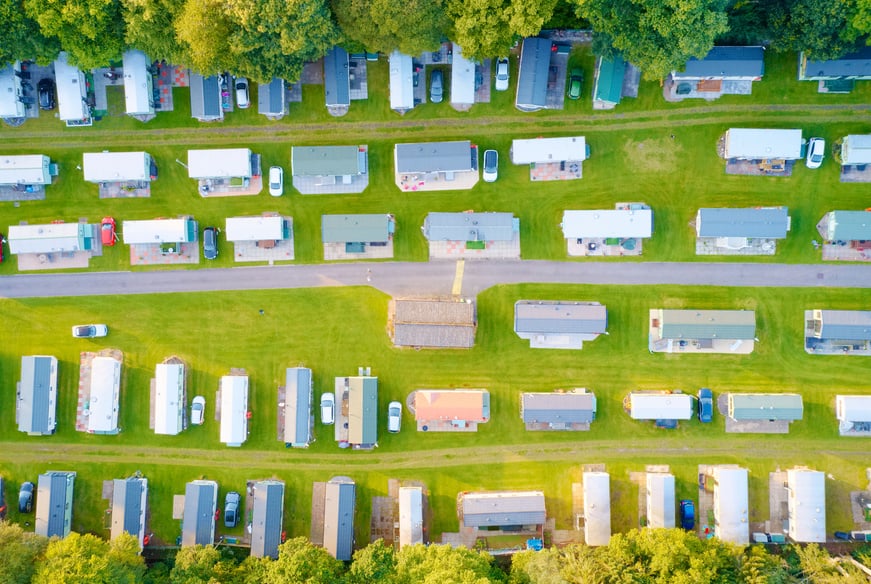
{"points": [[104, 395], [169, 398], [401, 81], [731, 505], [462, 78], [25, 169], [37, 399], [219, 163], [11, 105], [255, 228], [661, 406], [542, 150], [72, 91], [608, 223], [138, 84], [856, 149], [410, 516], [337, 78], [234, 409], [159, 231], [597, 508], [806, 503], [49, 238], [116, 166], [753, 144]]}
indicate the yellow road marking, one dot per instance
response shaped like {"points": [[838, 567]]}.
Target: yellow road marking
{"points": [[458, 278]]}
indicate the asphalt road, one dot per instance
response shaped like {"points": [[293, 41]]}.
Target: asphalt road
{"points": [[429, 278]]}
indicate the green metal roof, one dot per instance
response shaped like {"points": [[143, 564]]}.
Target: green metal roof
{"points": [[708, 324], [355, 228], [765, 406], [850, 225], [609, 81], [363, 410], [325, 160]]}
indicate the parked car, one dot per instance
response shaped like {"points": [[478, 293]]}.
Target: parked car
{"points": [[198, 410], [107, 231], [90, 331], [231, 509], [25, 498], [706, 405], [437, 86], [210, 243], [576, 83], [328, 406], [491, 165], [242, 99], [2, 499], [816, 151], [2, 241], [45, 94], [394, 417], [502, 72], [276, 181], [687, 514]]}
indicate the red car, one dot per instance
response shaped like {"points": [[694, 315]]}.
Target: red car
{"points": [[107, 229]]}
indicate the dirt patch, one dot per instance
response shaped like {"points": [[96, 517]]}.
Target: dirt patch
{"points": [[659, 155]]}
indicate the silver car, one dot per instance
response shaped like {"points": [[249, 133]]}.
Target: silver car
{"points": [[502, 68]]}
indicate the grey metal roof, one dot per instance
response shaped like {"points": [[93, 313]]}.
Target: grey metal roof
{"points": [[558, 408], [198, 523], [846, 325], [726, 62], [298, 395], [337, 79], [770, 223], [355, 228], [127, 506], [534, 68], [856, 64], [340, 498], [327, 160], [850, 225], [765, 406], [267, 518], [708, 324], [469, 227], [457, 156], [38, 393], [205, 97], [270, 98], [433, 323], [503, 508], [54, 503], [543, 316]]}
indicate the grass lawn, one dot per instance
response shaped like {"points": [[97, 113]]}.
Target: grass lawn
{"points": [[334, 331]]}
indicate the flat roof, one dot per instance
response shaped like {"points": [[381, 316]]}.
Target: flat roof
{"points": [[708, 324], [731, 505], [206, 97], [765, 406], [849, 225], [661, 406], [753, 143], [605, 223], [559, 317], [104, 396], [198, 521], [503, 508], [327, 160], [557, 408], [220, 163], [271, 98], [355, 228], [458, 156], [298, 405], [543, 150], [49, 238], [138, 84], [756, 222], [54, 503], [806, 504], [597, 508], [337, 78], [462, 78], [410, 516], [660, 500], [234, 409], [169, 398], [260, 228], [37, 397], [363, 410], [71, 91], [401, 81], [533, 75], [856, 149], [468, 405], [24, 169], [129, 506], [117, 166], [470, 226], [154, 231], [267, 518], [340, 498], [725, 62], [845, 325], [853, 408]]}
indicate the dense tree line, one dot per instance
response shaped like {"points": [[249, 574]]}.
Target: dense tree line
{"points": [[667, 556], [263, 39]]}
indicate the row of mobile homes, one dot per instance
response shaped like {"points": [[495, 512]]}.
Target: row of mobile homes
{"points": [[36, 405]]}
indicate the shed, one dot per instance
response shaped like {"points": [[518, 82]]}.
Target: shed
{"points": [[731, 503], [608, 84], [765, 406], [267, 518], [558, 324], [271, 98], [50, 238], [11, 93], [156, 231], [72, 93], [260, 228], [856, 149], [842, 325], [433, 323], [410, 516], [732, 63], [362, 411], [756, 222], [533, 76], [356, 228], [447, 157], [546, 150], [206, 98], [36, 408], [806, 505], [508, 510], [660, 500], [102, 409], [102, 167], [340, 499], [220, 163], [329, 161], [661, 406], [759, 144], [298, 419], [457, 407], [337, 78], [855, 65], [847, 226], [169, 398], [470, 226], [234, 409], [54, 503], [25, 169], [138, 84], [129, 507], [558, 410], [707, 324], [597, 508], [462, 79], [401, 82], [607, 223], [200, 505], [853, 408]]}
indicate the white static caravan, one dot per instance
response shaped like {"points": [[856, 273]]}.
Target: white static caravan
{"points": [[108, 167], [856, 149], [260, 228], [544, 150], [169, 399], [234, 409], [462, 79], [806, 505], [104, 396], [154, 231], [138, 84], [25, 169], [597, 508], [756, 144], [401, 82], [852, 409], [731, 503], [605, 223], [410, 516], [72, 93], [220, 163], [661, 406], [660, 500], [11, 93]]}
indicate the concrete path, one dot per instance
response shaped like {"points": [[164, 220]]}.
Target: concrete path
{"points": [[428, 278]]}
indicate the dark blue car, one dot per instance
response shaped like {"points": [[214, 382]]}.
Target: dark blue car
{"points": [[706, 405], [687, 514]]}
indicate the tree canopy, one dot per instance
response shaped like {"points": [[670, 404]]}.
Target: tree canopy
{"points": [[87, 559]]}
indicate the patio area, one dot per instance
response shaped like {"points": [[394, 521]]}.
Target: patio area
{"points": [[597, 247], [155, 255], [564, 170], [484, 250], [760, 167], [124, 190], [857, 173], [437, 181], [230, 187], [342, 251]]}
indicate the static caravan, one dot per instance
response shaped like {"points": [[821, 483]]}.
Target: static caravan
{"points": [[11, 94], [198, 520], [546, 150], [597, 508], [138, 84], [758, 144], [72, 93], [50, 238], [731, 503], [267, 518], [298, 419], [806, 505], [109, 167], [206, 103], [340, 500], [410, 516], [105, 394], [221, 163], [25, 169], [234, 409], [337, 78], [159, 231], [169, 398], [608, 223], [130, 507], [54, 503], [462, 79], [532, 81], [856, 149], [660, 500], [401, 82], [36, 408], [661, 406], [271, 99]]}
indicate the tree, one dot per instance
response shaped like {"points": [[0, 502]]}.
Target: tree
{"points": [[444, 564], [204, 30], [20, 551], [582, 564], [374, 563], [531, 567], [760, 567], [87, 559], [821, 28], [22, 38], [149, 27], [657, 36], [412, 26], [488, 28], [91, 31], [194, 564], [300, 561]]}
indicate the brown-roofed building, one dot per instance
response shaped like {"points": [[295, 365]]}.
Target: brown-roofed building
{"points": [[450, 410], [432, 323]]}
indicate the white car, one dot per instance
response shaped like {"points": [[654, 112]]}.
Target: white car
{"points": [[491, 165], [90, 331], [242, 99], [394, 417], [276, 181], [502, 67], [198, 410], [328, 406], [816, 151]]}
